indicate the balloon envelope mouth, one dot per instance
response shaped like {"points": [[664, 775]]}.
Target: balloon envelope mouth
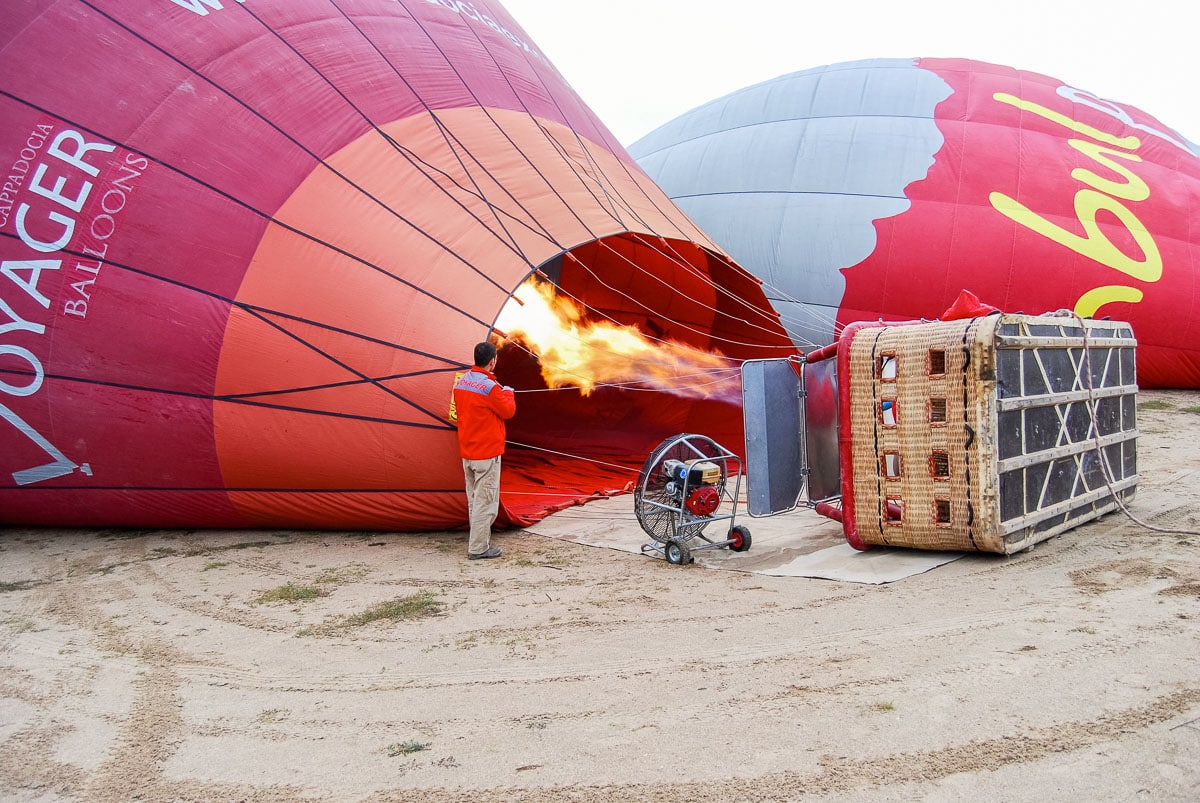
{"points": [[697, 316]]}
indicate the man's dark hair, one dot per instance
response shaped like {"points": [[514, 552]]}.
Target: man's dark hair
{"points": [[485, 352]]}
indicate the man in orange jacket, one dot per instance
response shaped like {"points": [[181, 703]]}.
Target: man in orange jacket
{"points": [[482, 405]]}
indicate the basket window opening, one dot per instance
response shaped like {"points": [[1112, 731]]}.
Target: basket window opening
{"points": [[887, 412], [937, 411], [941, 512], [890, 462], [894, 510], [939, 464], [885, 367], [936, 365]]}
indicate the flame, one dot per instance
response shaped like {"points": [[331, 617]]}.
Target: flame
{"points": [[576, 352]]}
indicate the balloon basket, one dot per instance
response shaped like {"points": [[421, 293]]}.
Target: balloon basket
{"points": [[986, 434]]}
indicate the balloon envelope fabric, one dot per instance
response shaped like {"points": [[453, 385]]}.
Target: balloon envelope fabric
{"points": [[246, 245], [882, 188]]}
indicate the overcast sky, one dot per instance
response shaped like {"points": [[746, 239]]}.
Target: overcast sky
{"points": [[641, 63]]}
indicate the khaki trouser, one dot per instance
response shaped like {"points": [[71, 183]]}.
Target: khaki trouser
{"points": [[483, 500]]}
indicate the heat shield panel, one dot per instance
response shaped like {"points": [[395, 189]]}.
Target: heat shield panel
{"points": [[774, 421]]}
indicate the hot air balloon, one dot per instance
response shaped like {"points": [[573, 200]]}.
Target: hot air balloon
{"points": [[882, 188], [244, 246]]}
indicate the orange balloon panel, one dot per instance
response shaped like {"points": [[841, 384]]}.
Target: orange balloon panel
{"points": [[415, 263]]}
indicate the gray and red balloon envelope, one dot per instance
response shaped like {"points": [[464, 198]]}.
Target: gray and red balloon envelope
{"points": [[883, 188]]}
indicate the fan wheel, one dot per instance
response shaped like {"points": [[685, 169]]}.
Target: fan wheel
{"points": [[739, 538], [677, 552]]}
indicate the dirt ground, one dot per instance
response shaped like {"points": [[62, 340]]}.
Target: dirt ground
{"points": [[165, 665]]}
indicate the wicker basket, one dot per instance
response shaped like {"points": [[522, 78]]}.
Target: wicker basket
{"points": [[978, 434]]}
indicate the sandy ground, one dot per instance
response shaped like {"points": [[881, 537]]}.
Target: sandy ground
{"points": [[149, 665]]}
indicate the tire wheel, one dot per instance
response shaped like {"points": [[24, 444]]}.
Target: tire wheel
{"points": [[740, 537], [677, 553]]}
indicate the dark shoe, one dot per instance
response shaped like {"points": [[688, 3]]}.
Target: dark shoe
{"points": [[494, 552]]}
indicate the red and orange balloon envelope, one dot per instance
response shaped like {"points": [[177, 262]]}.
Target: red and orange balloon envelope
{"points": [[883, 188], [246, 245]]}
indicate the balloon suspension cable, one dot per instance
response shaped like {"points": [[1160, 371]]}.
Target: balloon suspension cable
{"points": [[678, 261], [687, 266], [531, 447], [734, 362], [811, 313], [716, 376], [639, 386], [1106, 468]]}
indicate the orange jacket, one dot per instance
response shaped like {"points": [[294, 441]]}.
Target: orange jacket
{"points": [[483, 406]]}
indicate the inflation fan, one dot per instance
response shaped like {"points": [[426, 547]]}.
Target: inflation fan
{"points": [[687, 483]]}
